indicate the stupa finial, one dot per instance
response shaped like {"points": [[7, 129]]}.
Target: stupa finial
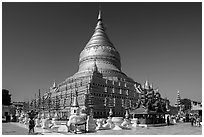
{"points": [[54, 84], [146, 85], [99, 14]]}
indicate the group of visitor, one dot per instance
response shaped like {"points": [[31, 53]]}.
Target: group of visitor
{"points": [[174, 118], [179, 118], [28, 118], [195, 121]]}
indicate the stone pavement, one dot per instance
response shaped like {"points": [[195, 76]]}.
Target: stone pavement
{"points": [[10, 129], [177, 129], [38, 130]]}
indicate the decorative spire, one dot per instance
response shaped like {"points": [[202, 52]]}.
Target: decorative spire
{"points": [[99, 23], [54, 85], [99, 14], [95, 68], [151, 86], [156, 90], [75, 102], [146, 85], [178, 100], [167, 104]]}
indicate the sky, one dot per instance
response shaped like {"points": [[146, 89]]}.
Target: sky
{"points": [[158, 42]]}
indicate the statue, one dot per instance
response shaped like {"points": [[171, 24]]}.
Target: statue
{"points": [[54, 125], [109, 124], [26, 119], [126, 124], [117, 122], [21, 118], [45, 122], [73, 121], [135, 121], [76, 117], [90, 124], [99, 124], [38, 121], [151, 99]]}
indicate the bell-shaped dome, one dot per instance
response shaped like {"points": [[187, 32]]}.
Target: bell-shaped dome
{"points": [[101, 49]]}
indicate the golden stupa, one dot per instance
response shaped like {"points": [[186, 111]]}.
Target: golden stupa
{"points": [[99, 83]]}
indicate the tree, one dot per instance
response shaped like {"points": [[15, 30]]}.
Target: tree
{"points": [[186, 103], [6, 97]]}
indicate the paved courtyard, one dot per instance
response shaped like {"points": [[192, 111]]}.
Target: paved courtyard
{"points": [[12, 129], [178, 129]]}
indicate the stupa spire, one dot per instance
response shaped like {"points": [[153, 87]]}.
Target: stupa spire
{"points": [[151, 86], [178, 100], [99, 23], [54, 84], [146, 85], [75, 102], [99, 14]]}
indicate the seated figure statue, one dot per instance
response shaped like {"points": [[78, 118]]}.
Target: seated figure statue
{"points": [[109, 124], [126, 124]]}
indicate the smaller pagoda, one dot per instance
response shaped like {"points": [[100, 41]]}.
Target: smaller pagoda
{"points": [[150, 108]]}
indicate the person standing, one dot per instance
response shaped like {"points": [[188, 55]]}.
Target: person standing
{"points": [[31, 125], [168, 121], [192, 121], [198, 121]]}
